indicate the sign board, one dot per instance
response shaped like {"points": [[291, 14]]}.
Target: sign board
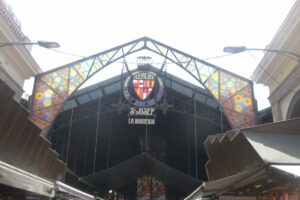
{"points": [[143, 89]]}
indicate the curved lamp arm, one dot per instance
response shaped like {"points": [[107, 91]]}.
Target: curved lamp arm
{"points": [[239, 49]]}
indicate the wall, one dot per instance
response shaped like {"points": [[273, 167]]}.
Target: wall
{"points": [[281, 72], [16, 62]]}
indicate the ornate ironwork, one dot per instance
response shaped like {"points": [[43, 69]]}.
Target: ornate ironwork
{"points": [[54, 87]]}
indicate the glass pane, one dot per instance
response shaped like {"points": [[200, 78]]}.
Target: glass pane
{"points": [[212, 84]]}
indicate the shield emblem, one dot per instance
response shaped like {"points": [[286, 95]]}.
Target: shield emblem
{"points": [[143, 88]]}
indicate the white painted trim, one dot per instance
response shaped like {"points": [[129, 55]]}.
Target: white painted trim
{"points": [[17, 178], [286, 38], [287, 86], [73, 191], [197, 194]]}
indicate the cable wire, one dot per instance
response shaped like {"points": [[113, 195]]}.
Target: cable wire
{"points": [[217, 57], [204, 59], [68, 53]]}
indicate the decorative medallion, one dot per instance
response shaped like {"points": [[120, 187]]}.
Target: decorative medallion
{"points": [[143, 89]]}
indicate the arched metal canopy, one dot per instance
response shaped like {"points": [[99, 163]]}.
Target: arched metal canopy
{"points": [[54, 87]]}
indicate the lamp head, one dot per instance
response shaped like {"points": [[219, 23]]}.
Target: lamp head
{"points": [[47, 44], [237, 49]]}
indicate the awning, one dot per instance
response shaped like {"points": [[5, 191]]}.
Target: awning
{"points": [[239, 161], [233, 152], [142, 164], [233, 182], [275, 147], [254, 178], [290, 169], [17, 178], [63, 190]]}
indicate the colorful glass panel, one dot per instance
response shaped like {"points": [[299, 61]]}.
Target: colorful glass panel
{"points": [[48, 113], [42, 124], [45, 96], [239, 108], [58, 80], [205, 71], [83, 68], [75, 80], [229, 85], [212, 84]]}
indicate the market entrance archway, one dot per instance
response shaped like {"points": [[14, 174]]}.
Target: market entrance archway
{"points": [[54, 87]]}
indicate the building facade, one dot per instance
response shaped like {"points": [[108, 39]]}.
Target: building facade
{"points": [[29, 168], [16, 62], [281, 71]]}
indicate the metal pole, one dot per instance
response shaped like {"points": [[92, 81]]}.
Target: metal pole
{"points": [[109, 141], [195, 129], [69, 137], [97, 131], [189, 159]]}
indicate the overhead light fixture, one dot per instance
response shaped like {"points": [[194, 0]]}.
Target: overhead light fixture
{"points": [[42, 43], [239, 49]]}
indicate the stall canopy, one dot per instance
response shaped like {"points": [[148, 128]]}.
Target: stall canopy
{"points": [[142, 164], [17, 178], [233, 152], [254, 159]]}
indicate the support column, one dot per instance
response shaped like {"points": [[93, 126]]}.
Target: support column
{"points": [[277, 113]]}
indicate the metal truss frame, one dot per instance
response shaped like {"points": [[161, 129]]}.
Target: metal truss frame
{"points": [[54, 87]]}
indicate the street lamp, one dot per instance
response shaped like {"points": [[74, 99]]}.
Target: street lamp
{"points": [[45, 44], [239, 49]]}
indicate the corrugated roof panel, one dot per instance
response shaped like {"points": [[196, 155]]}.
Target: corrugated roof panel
{"points": [[200, 97], [275, 147], [167, 83], [83, 99], [69, 104], [291, 169], [112, 88], [181, 89], [212, 103], [96, 94]]}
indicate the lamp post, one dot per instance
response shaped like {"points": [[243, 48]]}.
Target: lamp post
{"points": [[239, 49], [45, 44]]}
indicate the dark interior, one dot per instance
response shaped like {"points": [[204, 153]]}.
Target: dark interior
{"points": [[92, 138]]}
